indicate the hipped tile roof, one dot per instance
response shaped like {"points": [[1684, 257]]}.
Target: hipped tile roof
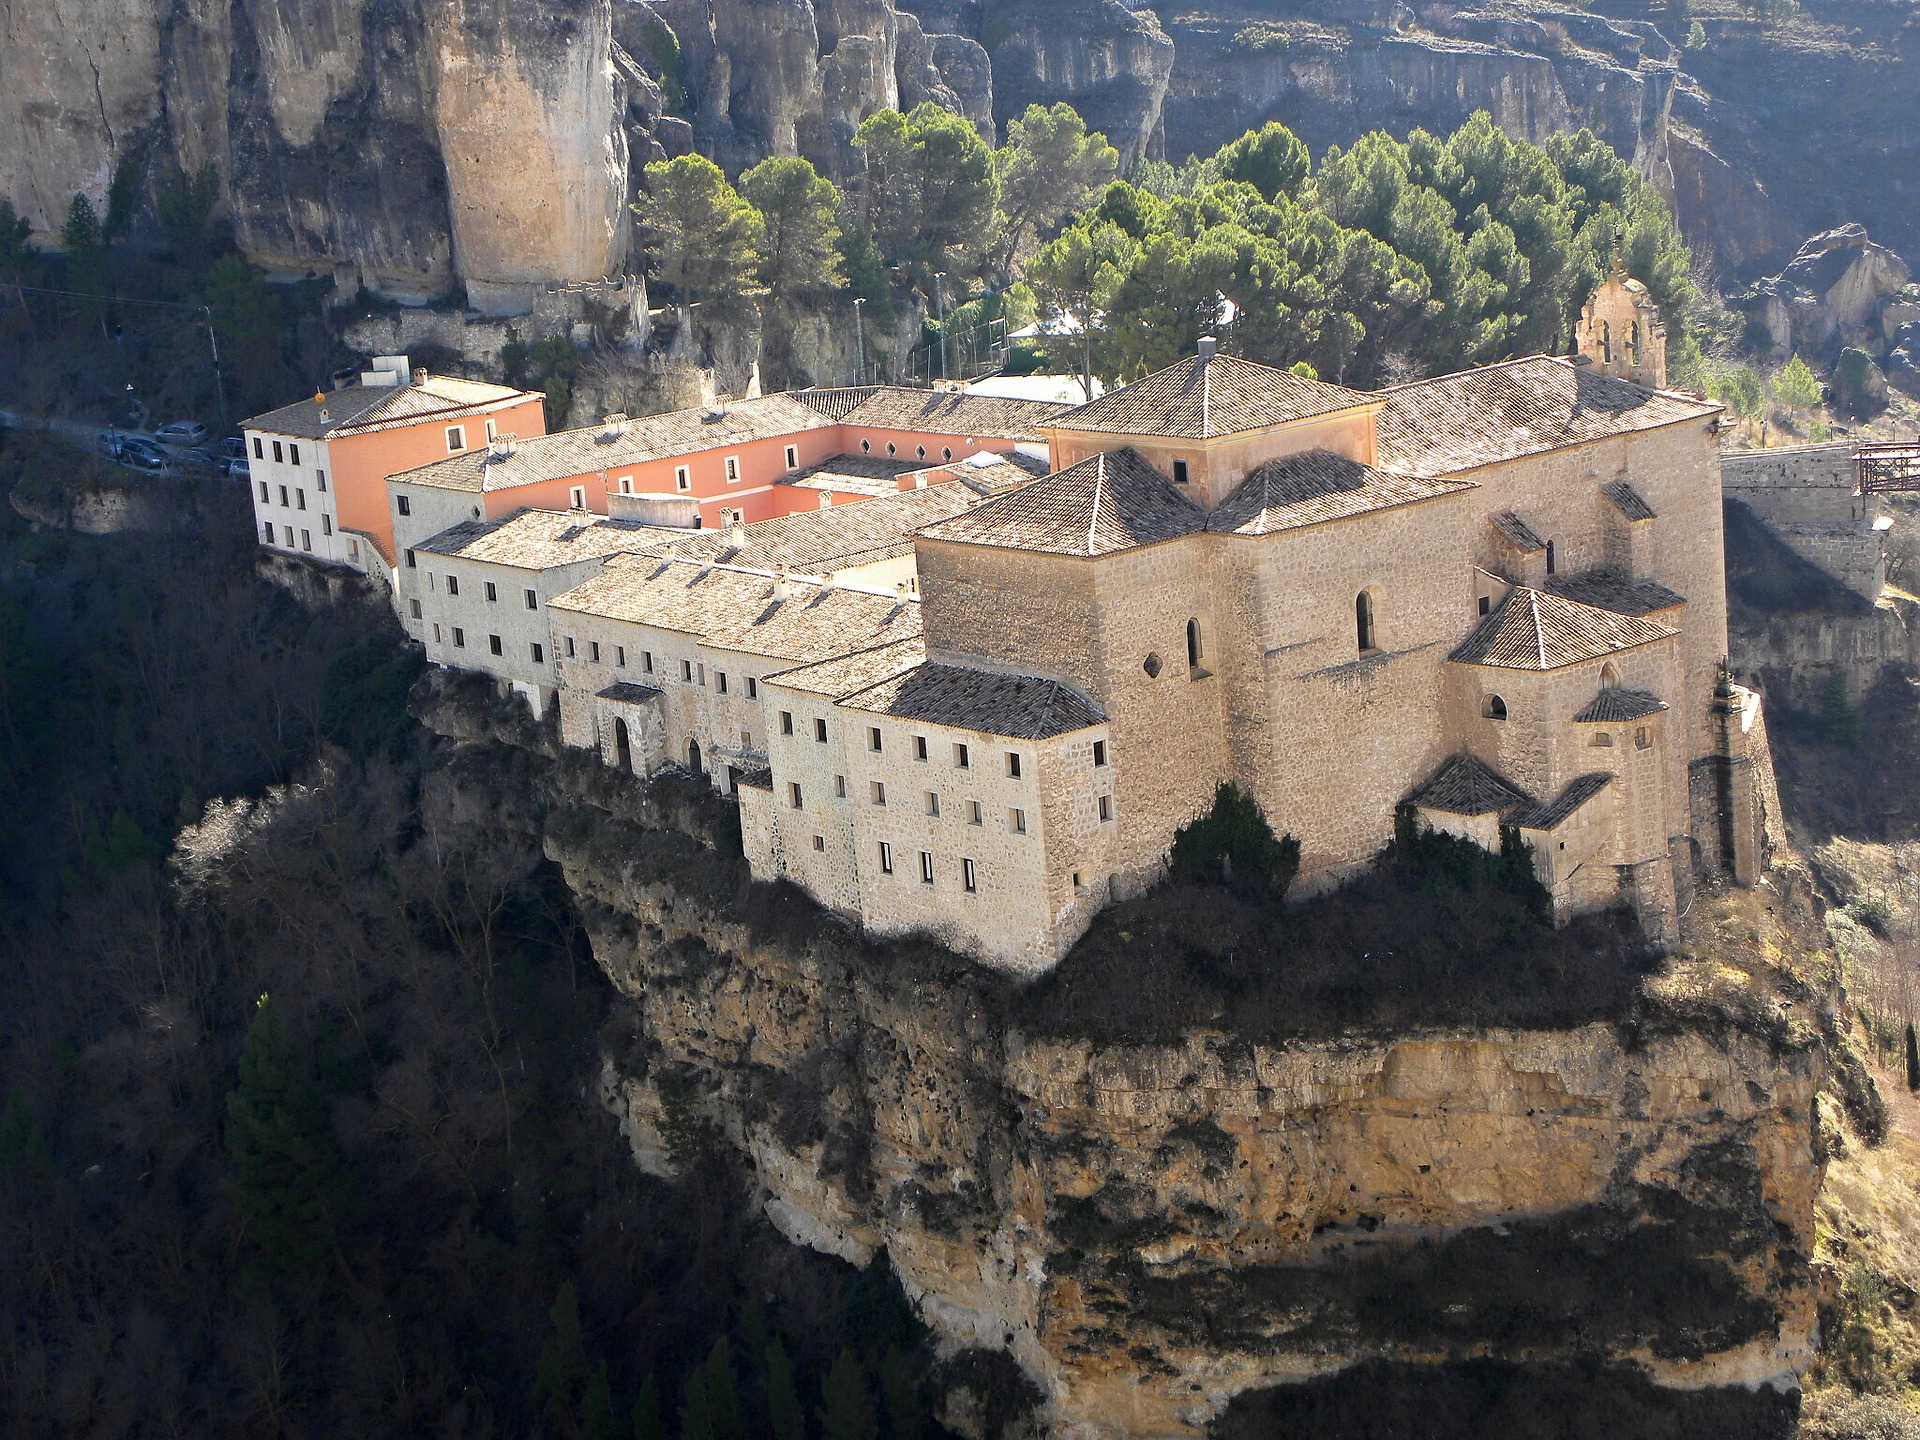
{"points": [[821, 541], [539, 539], [1616, 704], [1200, 399], [1316, 486], [1019, 706], [953, 412], [1519, 407], [1518, 533], [1533, 630], [845, 674], [1611, 590], [1466, 785], [1115, 501], [1563, 806], [354, 408]]}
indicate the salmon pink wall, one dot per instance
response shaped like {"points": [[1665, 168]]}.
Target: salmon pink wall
{"points": [[362, 463]]}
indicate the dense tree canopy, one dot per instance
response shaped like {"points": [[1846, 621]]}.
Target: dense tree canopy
{"points": [[704, 240]]}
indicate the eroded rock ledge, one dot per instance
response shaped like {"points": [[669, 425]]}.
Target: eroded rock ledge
{"points": [[1154, 1228]]}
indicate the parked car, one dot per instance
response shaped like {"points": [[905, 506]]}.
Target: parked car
{"points": [[234, 447], [182, 433], [110, 443], [201, 459], [239, 469], [143, 455]]}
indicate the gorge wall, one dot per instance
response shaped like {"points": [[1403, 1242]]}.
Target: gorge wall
{"points": [[1154, 1227], [421, 145]]}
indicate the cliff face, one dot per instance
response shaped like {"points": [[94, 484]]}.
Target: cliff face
{"points": [[1154, 1227]]}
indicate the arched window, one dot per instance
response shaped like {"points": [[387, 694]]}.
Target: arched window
{"points": [[1196, 651], [1495, 708], [622, 745], [1363, 622], [693, 757], [1553, 559], [1633, 343], [1606, 342], [1609, 677]]}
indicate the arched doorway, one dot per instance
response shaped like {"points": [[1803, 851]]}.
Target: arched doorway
{"points": [[623, 747], [693, 757]]}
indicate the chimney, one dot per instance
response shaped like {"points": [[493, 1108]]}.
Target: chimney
{"points": [[501, 446], [419, 374], [782, 587], [610, 427], [737, 532], [1209, 347], [904, 590]]}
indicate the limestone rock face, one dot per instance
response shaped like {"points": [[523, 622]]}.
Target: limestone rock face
{"points": [[1835, 293], [1109, 62], [1150, 1229]]}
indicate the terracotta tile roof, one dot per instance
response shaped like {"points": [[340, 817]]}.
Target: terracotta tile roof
{"points": [[1627, 500], [1113, 502], [730, 609], [836, 402], [1616, 704], [953, 412], [1200, 399], [355, 408], [1518, 533], [821, 541], [1307, 489], [758, 778], [1520, 407], [539, 539], [861, 474], [1611, 590], [626, 442], [1019, 706], [1562, 807], [1467, 785], [1533, 630], [845, 674], [628, 693]]}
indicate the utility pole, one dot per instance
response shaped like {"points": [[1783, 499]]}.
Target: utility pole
{"points": [[940, 308], [860, 339]]}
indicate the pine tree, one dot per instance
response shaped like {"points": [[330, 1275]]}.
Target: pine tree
{"points": [[597, 1408], [287, 1177], [649, 1423], [846, 1405], [703, 238], [784, 1416], [710, 1404], [561, 1368]]}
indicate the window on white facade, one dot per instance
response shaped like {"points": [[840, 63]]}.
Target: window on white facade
{"points": [[284, 501], [258, 453], [306, 540], [646, 661], [411, 562], [539, 653], [962, 757], [819, 842], [436, 634], [326, 525], [819, 729], [620, 656], [753, 688], [839, 787], [453, 584], [879, 792], [456, 438], [459, 638], [786, 722], [1017, 821], [1099, 752], [267, 531], [494, 645], [289, 531], [569, 640], [974, 814], [968, 877], [919, 747], [293, 454], [493, 594], [403, 505], [265, 499], [533, 600], [873, 738], [1013, 764], [720, 681], [1106, 808], [320, 479], [593, 651], [299, 499], [278, 455], [933, 804], [793, 794], [413, 608]]}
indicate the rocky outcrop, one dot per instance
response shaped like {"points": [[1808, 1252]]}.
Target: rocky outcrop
{"points": [[1109, 61], [1837, 292]]}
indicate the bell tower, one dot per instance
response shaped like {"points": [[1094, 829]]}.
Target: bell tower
{"points": [[1621, 332]]}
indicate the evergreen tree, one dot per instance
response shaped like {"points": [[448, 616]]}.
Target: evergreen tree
{"points": [[1272, 159], [799, 251], [15, 253], [929, 188], [846, 1404], [1913, 1059], [784, 1416], [1074, 277], [597, 1414], [710, 1407], [649, 1423], [900, 1397], [287, 1177], [1049, 168], [561, 1368], [1795, 386], [81, 235], [703, 238]]}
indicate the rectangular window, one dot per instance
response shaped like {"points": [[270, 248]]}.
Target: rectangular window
{"points": [[720, 681], [873, 738], [702, 667], [533, 600], [299, 499], [593, 651], [459, 638], [733, 469], [686, 671], [320, 478], [1017, 821], [753, 688], [1013, 765], [1486, 604], [682, 478], [786, 722], [265, 499], [933, 804], [1099, 752], [626, 484], [453, 584], [819, 842], [962, 757], [969, 878], [412, 563], [569, 640], [492, 593], [456, 439], [413, 608], [402, 504], [879, 792], [839, 787], [886, 858], [284, 501], [1106, 808], [539, 653], [646, 661], [293, 454], [820, 730], [306, 540], [492, 433], [926, 867], [277, 455], [919, 747], [793, 793], [493, 644], [1179, 472], [257, 453], [436, 634], [268, 530], [620, 656], [974, 814], [793, 458], [577, 497], [326, 524]]}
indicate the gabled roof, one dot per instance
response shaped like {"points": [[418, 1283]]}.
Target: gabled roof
{"points": [[952, 412], [1562, 807], [1466, 785], [1520, 407], [1620, 593], [538, 539], [1020, 706], [354, 408], [1115, 501], [1627, 500], [594, 448], [1533, 630], [845, 674], [1316, 486], [1199, 399], [1518, 533], [1616, 704]]}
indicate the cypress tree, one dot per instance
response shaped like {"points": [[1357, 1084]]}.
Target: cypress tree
{"points": [[846, 1405], [1913, 1059], [596, 1406], [784, 1416], [561, 1368], [648, 1421]]}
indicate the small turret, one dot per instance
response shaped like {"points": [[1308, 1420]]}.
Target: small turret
{"points": [[1621, 332]]}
